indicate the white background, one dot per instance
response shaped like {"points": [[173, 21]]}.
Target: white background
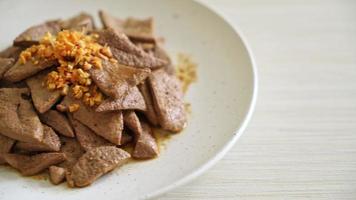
{"points": [[301, 142]]}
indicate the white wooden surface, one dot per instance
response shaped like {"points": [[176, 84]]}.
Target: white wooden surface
{"points": [[301, 142]]}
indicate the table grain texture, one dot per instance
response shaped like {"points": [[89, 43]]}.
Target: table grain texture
{"points": [[301, 141]]}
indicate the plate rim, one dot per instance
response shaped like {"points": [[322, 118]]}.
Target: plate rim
{"points": [[239, 131]]}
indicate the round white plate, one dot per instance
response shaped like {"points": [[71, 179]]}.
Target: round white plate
{"points": [[222, 100]]}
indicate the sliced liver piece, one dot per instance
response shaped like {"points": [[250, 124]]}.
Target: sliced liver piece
{"points": [[6, 144], [145, 144], [139, 29], [18, 119], [132, 121], [81, 22], [50, 142], [87, 138], [31, 165], [150, 112], [72, 150], [126, 52], [5, 65], [42, 98], [116, 80], [58, 122], [33, 34], [168, 101], [136, 29], [57, 174], [21, 71], [11, 52], [109, 125], [95, 163], [132, 101]]}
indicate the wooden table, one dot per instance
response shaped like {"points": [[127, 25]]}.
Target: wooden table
{"points": [[301, 142]]}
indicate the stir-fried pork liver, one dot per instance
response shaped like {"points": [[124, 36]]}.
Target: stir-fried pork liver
{"points": [[50, 142], [56, 174], [133, 100], [126, 52], [116, 80], [43, 99], [168, 100], [58, 122], [31, 165], [109, 125], [18, 119], [95, 163], [33, 34]]}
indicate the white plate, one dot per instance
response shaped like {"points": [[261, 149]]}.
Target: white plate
{"points": [[222, 99]]}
